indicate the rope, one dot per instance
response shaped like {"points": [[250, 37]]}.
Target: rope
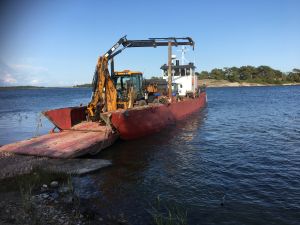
{"points": [[39, 124]]}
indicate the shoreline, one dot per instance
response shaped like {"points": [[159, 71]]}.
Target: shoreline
{"points": [[212, 83], [36, 88], [40, 190]]}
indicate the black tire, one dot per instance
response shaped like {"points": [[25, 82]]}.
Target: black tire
{"points": [[151, 98]]}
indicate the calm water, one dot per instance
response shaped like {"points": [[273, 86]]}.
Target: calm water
{"points": [[243, 150]]}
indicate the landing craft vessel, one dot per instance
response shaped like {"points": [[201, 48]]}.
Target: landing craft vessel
{"points": [[123, 105]]}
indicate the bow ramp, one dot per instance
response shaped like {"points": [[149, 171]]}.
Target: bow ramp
{"points": [[81, 139]]}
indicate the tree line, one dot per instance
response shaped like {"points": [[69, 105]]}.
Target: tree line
{"points": [[260, 74]]}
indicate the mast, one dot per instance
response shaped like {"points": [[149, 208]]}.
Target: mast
{"points": [[183, 51], [170, 69]]}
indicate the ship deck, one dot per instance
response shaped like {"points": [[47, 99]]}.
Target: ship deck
{"points": [[81, 139]]}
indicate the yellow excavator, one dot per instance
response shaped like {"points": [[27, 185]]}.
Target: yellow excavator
{"points": [[129, 88], [115, 90]]}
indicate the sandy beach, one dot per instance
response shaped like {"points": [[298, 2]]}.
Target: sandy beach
{"points": [[226, 83]]}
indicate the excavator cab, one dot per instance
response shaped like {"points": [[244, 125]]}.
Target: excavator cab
{"points": [[129, 88]]}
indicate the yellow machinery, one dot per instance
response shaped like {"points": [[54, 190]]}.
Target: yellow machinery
{"points": [[129, 88], [121, 89], [104, 92], [151, 88]]}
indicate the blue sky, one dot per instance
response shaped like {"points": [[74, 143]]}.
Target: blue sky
{"points": [[56, 43]]}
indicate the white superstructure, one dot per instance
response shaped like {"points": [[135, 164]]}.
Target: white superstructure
{"points": [[183, 75]]}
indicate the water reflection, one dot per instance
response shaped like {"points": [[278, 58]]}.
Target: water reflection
{"points": [[242, 151], [141, 166]]}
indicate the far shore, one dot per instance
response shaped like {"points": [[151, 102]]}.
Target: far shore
{"points": [[34, 87], [225, 83], [210, 83]]}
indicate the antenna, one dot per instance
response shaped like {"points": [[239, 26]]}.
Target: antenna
{"points": [[183, 50]]}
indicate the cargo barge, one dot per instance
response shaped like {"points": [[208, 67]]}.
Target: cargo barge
{"points": [[120, 107], [134, 122]]}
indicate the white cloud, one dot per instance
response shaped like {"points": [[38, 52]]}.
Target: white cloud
{"points": [[7, 78], [22, 74], [35, 82], [29, 68], [27, 73]]}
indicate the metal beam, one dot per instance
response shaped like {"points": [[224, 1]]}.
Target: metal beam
{"points": [[154, 42], [170, 70]]}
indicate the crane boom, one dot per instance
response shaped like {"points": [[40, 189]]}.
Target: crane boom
{"points": [[154, 42], [151, 42]]}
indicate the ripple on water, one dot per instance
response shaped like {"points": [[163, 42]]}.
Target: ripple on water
{"points": [[243, 150]]}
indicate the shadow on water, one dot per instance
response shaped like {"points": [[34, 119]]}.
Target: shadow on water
{"points": [[126, 186], [182, 131]]}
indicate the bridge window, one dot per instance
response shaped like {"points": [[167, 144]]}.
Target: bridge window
{"points": [[182, 72], [187, 72]]}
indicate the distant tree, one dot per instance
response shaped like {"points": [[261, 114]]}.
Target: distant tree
{"points": [[217, 74], [155, 77], [82, 85], [261, 74], [296, 70], [231, 74], [203, 75], [294, 76], [247, 72]]}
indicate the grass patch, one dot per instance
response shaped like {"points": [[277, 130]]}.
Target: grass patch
{"points": [[168, 214], [32, 180]]}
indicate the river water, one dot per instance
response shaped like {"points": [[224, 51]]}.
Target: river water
{"points": [[235, 162]]}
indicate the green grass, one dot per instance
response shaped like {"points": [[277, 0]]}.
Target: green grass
{"points": [[168, 214], [19, 87], [33, 180]]}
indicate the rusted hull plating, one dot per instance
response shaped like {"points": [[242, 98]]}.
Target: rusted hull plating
{"points": [[132, 123], [142, 121], [79, 137], [84, 138]]}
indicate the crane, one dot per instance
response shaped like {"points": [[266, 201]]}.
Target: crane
{"points": [[104, 96]]}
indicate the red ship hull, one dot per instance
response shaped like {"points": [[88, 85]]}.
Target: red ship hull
{"points": [[91, 137], [137, 122], [132, 123]]}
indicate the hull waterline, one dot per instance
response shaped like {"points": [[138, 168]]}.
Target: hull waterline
{"points": [[137, 122]]}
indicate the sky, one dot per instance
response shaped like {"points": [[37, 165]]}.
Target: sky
{"points": [[57, 42]]}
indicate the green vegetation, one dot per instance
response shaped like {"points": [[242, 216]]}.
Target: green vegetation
{"points": [[156, 77], [20, 87], [32, 181], [168, 215], [83, 85], [38, 87], [251, 74]]}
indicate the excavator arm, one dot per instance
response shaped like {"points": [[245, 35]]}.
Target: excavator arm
{"points": [[104, 97], [102, 100]]}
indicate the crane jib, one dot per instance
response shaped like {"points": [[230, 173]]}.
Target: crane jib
{"points": [[151, 42]]}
